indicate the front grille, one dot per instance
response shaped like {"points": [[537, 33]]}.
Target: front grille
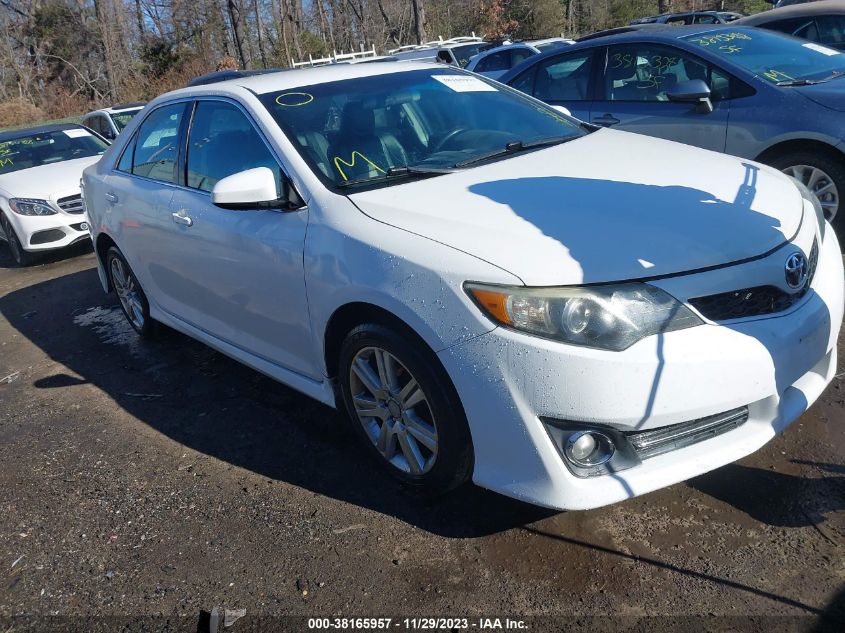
{"points": [[71, 204], [669, 438], [756, 301]]}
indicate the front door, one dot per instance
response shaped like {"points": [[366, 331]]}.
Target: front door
{"points": [[632, 96], [236, 274]]}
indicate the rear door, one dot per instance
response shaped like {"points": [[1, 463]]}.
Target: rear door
{"points": [[562, 80], [634, 80], [139, 191]]}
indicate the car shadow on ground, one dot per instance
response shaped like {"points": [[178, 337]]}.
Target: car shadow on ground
{"points": [[774, 498], [223, 409]]}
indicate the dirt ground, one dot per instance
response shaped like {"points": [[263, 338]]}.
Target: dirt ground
{"points": [[163, 480]]}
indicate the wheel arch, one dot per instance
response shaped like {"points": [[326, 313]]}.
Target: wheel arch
{"points": [[782, 148], [103, 244], [350, 315]]}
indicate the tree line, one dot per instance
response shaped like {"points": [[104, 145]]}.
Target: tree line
{"points": [[62, 57]]}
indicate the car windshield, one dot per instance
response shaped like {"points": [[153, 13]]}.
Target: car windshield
{"points": [[34, 150], [467, 51], [774, 57], [366, 128], [122, 119]]}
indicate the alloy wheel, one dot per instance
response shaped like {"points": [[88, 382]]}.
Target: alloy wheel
{"points": [[394, 411], [819, 183], [127, 292]]}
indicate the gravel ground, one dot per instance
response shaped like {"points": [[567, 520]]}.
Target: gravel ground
{"points": [[163, 479]]}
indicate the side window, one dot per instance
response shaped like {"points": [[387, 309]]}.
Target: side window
{"points": [[792, 26], [223, 142], [518, 55], [496, 61], [525, 82], [125, 162], [156, 145], [832, 30], [645, 73], [94, 123], [564, 78]]}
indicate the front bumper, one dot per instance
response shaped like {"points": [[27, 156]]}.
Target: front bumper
{"points": [[48, 232], [777, 366]]}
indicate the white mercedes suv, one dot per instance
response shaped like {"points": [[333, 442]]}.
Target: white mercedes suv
{"points": [[490, 289]]}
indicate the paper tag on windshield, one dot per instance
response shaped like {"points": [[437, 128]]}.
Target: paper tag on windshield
{"points": [[821, 49], [464, 83], [76, 132]]}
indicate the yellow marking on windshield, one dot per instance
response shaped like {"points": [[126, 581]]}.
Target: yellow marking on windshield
{"points": [[338, 161], [4, 162], [299, 99], [721, 38], [777, 75]]}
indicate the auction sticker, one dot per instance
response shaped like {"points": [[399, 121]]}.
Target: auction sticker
{"points": [[464, 83], [76, 132], [821, 49]]}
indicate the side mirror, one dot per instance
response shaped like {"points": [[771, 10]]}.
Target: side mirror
{"points": [[692, 91], [254, 189], [562, 110]]}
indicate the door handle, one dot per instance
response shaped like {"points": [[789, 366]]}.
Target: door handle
{"points": [[180, 218], [606, 120], [111, 197]]}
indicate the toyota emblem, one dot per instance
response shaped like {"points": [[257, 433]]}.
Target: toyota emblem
{"points": [[796, 268]]}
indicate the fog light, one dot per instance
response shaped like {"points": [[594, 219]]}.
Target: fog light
{"points": [[588, 448]]}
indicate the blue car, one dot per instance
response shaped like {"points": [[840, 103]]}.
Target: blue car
{"points": [[744, 91]]}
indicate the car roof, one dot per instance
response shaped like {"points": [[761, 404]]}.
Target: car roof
{"points": [[126, 106], [809, 9], [11, 135], [293, 78]]}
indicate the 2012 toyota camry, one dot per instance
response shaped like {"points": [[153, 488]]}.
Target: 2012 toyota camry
{"points": [[490, 289]]}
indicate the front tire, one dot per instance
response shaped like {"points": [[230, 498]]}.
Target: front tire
{"points": [[824, 176], [133, 301], [22, 257], [404, 408]]}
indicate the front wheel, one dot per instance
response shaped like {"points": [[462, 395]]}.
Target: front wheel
{"points": [[131, 296], [22, 257], [404, 408], [823, 176]]}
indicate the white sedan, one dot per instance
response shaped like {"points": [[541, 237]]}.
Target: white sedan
{"points": [[40, 202], [490, 289]]}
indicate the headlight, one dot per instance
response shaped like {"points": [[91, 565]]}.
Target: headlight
{"points": [[612, 317], [30, 206], [812, 199]]}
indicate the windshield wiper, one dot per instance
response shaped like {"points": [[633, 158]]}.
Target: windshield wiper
{"points": [[514, 148], [811, 82], [403, 171]]}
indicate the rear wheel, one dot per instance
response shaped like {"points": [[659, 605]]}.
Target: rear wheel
{"points": [[22, 257], [131, 296], [822, 175], [404, 408]]}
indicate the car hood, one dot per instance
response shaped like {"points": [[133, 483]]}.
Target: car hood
{"points": [[830, 94], [609, 206], [47, 182]]}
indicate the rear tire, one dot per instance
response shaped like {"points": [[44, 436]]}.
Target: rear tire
{"points": [[133, 301], [823, 175], [22, 257], [417, 429]]}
